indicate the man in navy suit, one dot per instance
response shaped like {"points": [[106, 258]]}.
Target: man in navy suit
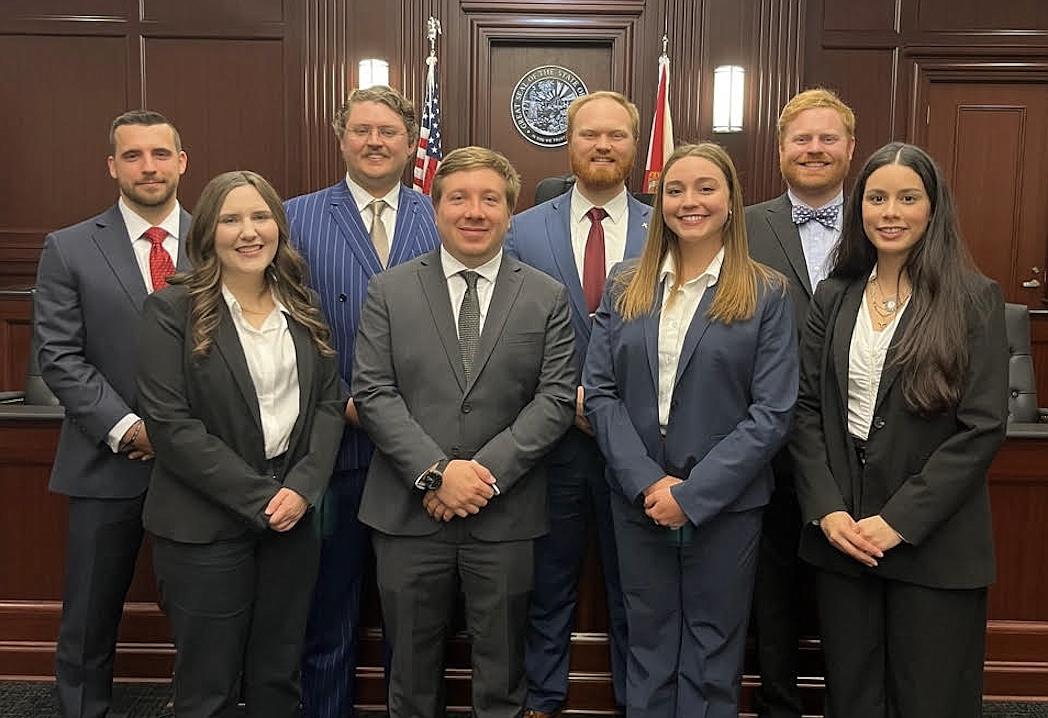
{"points": [[576, 238], [90, 285], [796, 233], [348, 233]]}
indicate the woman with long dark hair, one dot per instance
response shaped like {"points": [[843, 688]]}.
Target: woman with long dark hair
{"points": [[689, 384], [242, 401], [902, 407]]}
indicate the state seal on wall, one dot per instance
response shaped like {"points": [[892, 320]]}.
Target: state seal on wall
{"points": [[539, 104]]}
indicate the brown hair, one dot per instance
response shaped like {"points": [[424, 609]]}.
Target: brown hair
{"points": [[146, 118], [286, 274], [477, 158], [384, 95]]}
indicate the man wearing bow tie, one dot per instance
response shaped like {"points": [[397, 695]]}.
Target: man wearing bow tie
{"points": [[796, 233]]}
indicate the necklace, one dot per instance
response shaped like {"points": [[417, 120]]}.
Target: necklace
{"points": [[885, 308]]}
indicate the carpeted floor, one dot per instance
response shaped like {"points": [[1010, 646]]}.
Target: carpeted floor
{"points": [[29, 699]]}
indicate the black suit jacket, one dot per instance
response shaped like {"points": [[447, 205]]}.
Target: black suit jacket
{"points": [[775, 241], [926, 476], [209, 480]]}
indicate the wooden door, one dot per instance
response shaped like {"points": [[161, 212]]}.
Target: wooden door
{"points": [[510, 61], [992, 141]]}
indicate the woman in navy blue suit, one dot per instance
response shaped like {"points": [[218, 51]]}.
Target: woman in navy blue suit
{"points": [[902, 407], [689, 383]]}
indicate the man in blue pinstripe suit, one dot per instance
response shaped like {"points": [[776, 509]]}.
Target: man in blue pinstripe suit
{"points": [[349, 232]]}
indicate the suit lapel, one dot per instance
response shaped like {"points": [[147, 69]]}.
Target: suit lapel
{"points": [[228, 342], [305, 359], [700, 322], [182, 261], [507, 287], [650, 322], [346, 216], [843, 327], [637, 232], [110, 236], [890, 372], [435, 288], [780, 218], [408, 208], [558, 232]]}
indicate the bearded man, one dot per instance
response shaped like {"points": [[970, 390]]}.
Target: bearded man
{"points": [[576, 238]]}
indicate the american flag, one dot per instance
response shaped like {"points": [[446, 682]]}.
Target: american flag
{"points": [[428, 155]]}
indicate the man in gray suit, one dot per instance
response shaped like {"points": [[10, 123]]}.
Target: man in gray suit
{"points": [[464, 377], [90, 285], [796, 233]]}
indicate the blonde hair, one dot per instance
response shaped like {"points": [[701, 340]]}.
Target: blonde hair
{"points": [[736, 298], [815, 99], [477, 158], [631, 109]]}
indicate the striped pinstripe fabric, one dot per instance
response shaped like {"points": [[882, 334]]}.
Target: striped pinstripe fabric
{"points": [[327, 229]]}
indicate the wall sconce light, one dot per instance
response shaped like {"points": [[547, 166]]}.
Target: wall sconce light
{"points": [[373, 72], [728, 81]]}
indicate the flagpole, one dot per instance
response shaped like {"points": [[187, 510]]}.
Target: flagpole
{"points": [[660, 143], [428, 154]]}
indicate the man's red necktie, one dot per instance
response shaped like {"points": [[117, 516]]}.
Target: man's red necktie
{"points": [[160, 265], [593, 263]]}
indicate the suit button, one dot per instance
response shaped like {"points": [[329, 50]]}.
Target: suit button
{"points": [[341, 297], [673, 404], [455, 452], [878, 422], [466, 408]]}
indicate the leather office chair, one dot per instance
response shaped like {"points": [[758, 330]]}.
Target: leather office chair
{"points": [[1024, 416], [36, 392], [552, 187]]}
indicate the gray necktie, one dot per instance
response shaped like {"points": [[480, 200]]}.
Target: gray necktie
{"points": [[378, 230], [469, 321]]}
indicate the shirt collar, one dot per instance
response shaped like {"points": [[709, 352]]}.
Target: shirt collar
{"points": [[615, 207], [489, 270], [234, 305], [669, 269], [136, 225], [363, 198]]}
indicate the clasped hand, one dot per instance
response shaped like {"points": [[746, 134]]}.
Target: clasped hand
{"points": [[285, 509], [661, 507], [465, 489], [865, 540]]}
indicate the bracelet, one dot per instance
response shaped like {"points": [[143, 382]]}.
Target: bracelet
{"points": [[134, 435]]}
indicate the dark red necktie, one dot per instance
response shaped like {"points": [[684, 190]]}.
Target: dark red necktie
{"points": [[593, 263], [160, 265]]}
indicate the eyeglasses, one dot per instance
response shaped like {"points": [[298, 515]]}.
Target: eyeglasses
{"points": [[362, 132]]}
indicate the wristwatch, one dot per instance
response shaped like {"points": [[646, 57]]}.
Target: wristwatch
{"points": [[431, 479]]}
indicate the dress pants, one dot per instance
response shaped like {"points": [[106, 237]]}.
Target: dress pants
{"points": [[578, 498], [104, 538], [898, 650], [238, 612], [784, 584], [688, 609], [419, 579], [329, 661]]}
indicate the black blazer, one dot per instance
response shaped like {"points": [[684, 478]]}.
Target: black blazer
{"points": [[775, 241], [209, 480], [926, 476]]}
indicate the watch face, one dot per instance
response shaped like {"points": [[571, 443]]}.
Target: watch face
{"points": [[433, 480]]}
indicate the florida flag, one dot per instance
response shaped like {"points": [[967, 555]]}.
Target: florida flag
{"points": [[660, 146], [429, 154]]}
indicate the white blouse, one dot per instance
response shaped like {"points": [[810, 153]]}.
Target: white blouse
{"points": [[865, 365]]}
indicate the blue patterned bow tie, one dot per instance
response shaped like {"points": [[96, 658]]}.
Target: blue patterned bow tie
{"points": [[827, 216]]}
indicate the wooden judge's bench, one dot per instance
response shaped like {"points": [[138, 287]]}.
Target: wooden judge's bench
{"points": [[33, 543]]}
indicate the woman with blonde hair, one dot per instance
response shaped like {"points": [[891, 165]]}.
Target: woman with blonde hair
{"points": [[689, 383], [241, 397]]}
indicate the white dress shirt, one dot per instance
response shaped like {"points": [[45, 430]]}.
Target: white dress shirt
{"points": [[817, 240], [136, 227], [615, 227], [363, 198], [678, 309], [273, 365], [865, 365], [457, 283]]}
